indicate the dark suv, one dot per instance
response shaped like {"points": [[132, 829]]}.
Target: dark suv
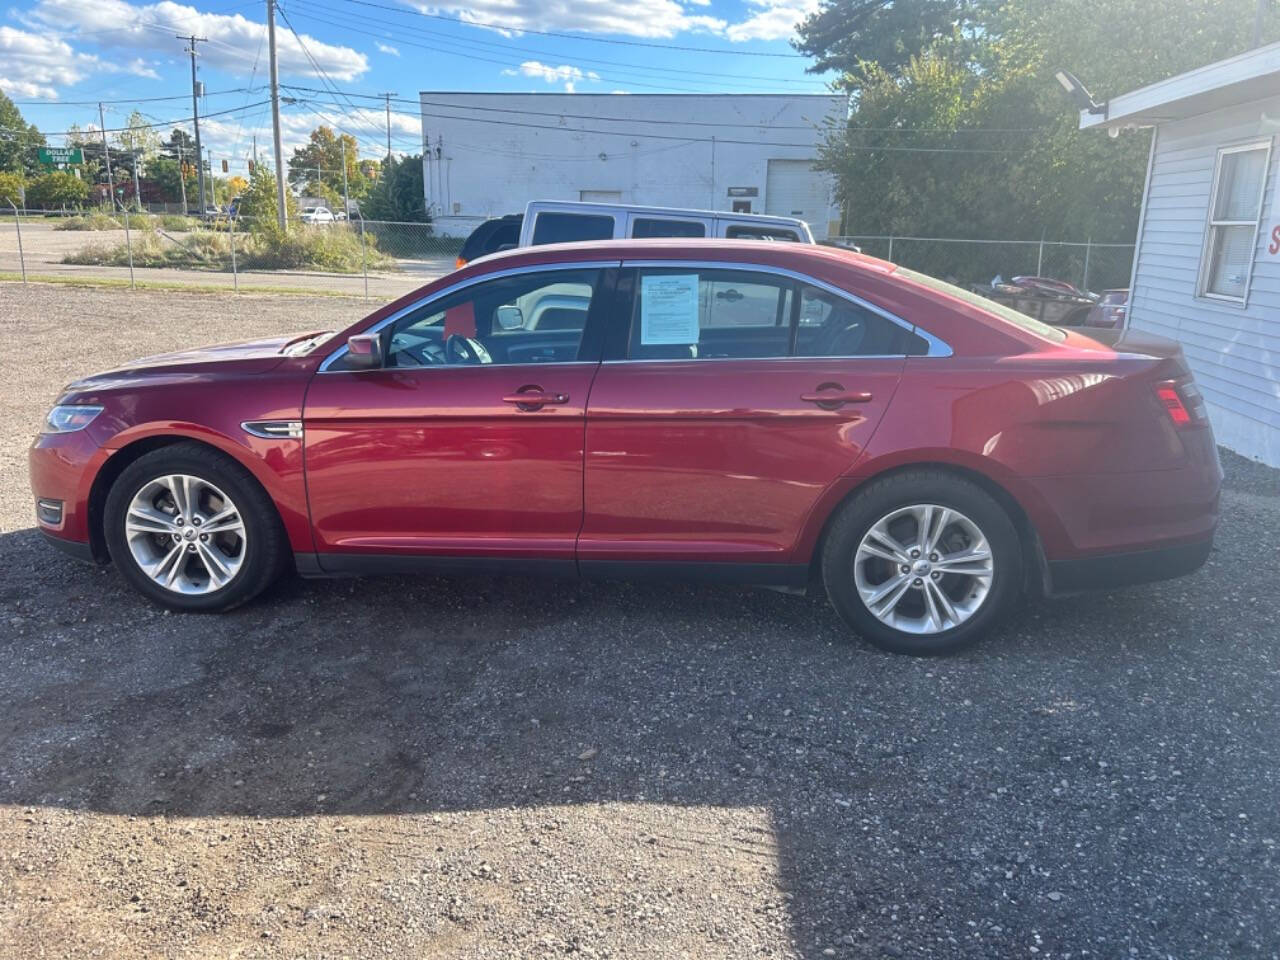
{"points": [[500, 233]]}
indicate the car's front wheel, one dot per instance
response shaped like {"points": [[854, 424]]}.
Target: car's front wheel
{"points": [[190, 528], [922, 562]]}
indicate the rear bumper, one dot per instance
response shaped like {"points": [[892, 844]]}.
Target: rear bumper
{"points": [[1125, 569]]}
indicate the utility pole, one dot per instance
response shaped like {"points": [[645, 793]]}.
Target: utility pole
{"points": [[387, 97], [182, 181], [192, 40], [1257, 22], [106, 154], [137, 189], [346, 199], [275, 115]]}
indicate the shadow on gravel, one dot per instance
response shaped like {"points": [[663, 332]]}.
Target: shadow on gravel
{"points": [[1021, 794]]}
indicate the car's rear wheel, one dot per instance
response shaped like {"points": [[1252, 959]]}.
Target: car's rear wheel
{"points": [[922, 562], [191, 529]]}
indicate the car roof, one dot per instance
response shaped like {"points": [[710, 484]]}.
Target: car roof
{"points": [[796, 256]]}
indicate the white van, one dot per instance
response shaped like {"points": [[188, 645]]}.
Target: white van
{"points": [[553, 221]]}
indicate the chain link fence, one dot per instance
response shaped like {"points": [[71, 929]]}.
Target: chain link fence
{"points": [[374, 259], [384, 259], [1088, 265]]}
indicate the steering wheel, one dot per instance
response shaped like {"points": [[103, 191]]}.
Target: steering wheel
{"points": [[460, 349]]}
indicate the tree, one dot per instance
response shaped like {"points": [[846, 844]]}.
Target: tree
{"points": [[19, 140], [320, 160], [851, 35], [400, 195], [180, 138], [258, 205], [10, 190], [166, 174], [139, 137], [55, 190], [1003, 157]]}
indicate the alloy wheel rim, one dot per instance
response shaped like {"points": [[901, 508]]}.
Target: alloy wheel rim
{"points": [[924, 569], [186, 534]]}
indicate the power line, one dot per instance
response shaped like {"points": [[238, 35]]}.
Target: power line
{"points": [[399, 27], [689, 139], [159, 123], [660, 121], [510, 63], [578, 36], [128, 100]]}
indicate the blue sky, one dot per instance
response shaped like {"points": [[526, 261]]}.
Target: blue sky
{"points": [[56, 52]]}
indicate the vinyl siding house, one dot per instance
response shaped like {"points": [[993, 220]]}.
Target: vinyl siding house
{"points": [[1207, 266]]}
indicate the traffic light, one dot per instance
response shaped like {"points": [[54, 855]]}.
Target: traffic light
{"points": [[224, 166], [251, 168]]}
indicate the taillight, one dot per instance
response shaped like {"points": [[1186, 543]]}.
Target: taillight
{"points": [[459, 263], [1182, 402]]}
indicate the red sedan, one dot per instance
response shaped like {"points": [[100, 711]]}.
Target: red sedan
{"points": [[786, 415]]}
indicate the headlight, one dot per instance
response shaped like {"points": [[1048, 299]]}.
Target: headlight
{"points": [[69, 417]]}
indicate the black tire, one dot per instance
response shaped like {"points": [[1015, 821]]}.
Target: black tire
{"points": [[878, 499], [265, 547]]}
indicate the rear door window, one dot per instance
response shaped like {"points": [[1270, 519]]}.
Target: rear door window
{"points": [[643, 227], [571, 227], [685, 314], [832, 326]]}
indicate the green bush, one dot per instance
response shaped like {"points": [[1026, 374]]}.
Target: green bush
{"points": [[334, 251], [176, 223], [10, 190], [56, 190], [90, 221]]}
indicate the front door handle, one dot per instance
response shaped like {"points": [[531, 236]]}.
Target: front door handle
{"points": [[832, 396], [534, 398]]}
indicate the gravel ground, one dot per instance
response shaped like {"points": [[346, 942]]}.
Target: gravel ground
{"points": [[479, 767]]}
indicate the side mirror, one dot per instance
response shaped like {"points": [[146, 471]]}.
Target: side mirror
{"points": [[510, 318], [364, 351]]}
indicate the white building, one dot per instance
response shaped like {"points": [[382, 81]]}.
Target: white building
{"points": [[1207, 268], [491, 153]]}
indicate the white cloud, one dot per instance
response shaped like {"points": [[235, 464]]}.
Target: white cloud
{"points": [[388, 49], [635, 18], [772, 20], [234, 42], [36, 64], [569, 75]]}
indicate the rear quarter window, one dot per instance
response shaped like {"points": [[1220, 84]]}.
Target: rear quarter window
{"points": [[982, 303], [571, 227]]}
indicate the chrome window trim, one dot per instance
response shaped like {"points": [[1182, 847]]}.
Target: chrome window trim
{"points": [[860, 356], [462, 285], [937, 346]]}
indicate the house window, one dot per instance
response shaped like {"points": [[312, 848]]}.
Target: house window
{"points": [[1235, 207]]}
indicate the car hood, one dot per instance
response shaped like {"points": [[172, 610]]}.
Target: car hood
{"points": [[248, 358]]}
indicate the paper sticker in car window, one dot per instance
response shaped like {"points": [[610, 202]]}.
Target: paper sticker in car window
{"points": [[669, 309]]}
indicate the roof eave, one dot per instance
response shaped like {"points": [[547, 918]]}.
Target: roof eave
{"points": [[1243, 78]]}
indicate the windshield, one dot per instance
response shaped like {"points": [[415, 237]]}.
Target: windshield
{"points": [[985, 303]]}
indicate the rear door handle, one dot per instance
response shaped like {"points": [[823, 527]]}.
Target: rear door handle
{"points": [[532, 398], [833, 396]]}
